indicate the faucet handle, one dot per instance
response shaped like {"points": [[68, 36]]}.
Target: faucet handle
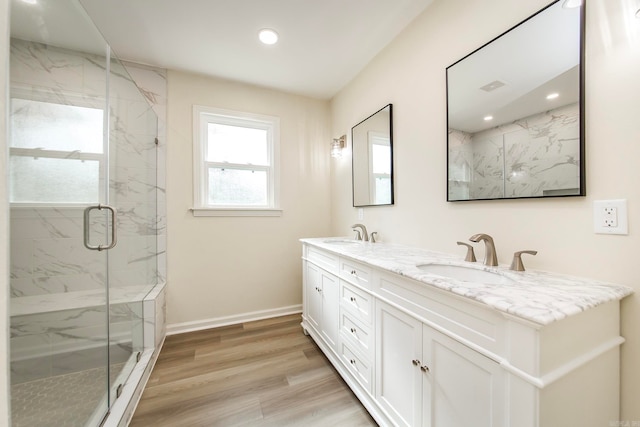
{"points": [[471, 256], [372, 236], [516, 264]]}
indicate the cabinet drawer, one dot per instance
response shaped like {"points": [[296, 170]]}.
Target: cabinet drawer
{"points": [[359, 367], [356, 302], [355, 272], [357, 333], [326, 260]]}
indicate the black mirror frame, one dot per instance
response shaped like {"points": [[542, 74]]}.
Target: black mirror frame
{"points": [[582, 169], [353, 190]]}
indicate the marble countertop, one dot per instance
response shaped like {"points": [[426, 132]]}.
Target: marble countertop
{"points": [[538, 296]]}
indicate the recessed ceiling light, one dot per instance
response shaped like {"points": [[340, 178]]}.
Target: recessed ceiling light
{"points": [[553, 95], [488, 118], [570, 4], [30, 1], [268, 36]]}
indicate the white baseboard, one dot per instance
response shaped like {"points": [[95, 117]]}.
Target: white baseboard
{"points": [[197, 325]]}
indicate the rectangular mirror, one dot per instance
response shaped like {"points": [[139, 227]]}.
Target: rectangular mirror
{"points": [[372, 157], [515, 112]]}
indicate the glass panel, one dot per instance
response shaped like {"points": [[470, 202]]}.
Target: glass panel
{"points": [[47, 180], [237, 187], [58, 305], [235, 144], [132, 190], [52, 126]]}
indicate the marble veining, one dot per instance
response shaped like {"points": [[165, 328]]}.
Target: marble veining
{"points": [[58, 304], [48, 303], [47, 255], [538, 296], [526, 158]]}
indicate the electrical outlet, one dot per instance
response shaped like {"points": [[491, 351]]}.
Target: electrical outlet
{"points": [[360, 213], [610, 217]]}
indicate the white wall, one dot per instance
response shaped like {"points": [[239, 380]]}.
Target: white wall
{"points": [[410, 73], [4, 212], [220, 266]]}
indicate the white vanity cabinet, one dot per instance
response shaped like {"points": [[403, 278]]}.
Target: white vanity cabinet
{"points": [[322, 297], [398, 374], [426, 378], [419, 354]]}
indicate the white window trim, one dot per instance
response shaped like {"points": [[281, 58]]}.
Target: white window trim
{"points": [[200, 208]]}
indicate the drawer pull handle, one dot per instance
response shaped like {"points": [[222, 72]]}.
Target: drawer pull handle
{"points": [[353, 362], [424, 368], [415, 362], [353, 272], [353, 299], [353, 330]]}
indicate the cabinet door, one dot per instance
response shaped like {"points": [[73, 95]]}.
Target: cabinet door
{"points": [[330, 325], [461, 387], [398, 379], [313, 304]]}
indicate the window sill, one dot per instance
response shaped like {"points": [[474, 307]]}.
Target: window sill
{"points": [[197, 212]]}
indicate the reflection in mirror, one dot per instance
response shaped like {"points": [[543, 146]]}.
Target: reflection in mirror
{"points": [[372, 156], [514, 112]]}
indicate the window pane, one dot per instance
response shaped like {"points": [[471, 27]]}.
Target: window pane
{"points": [[383, 191], [381, 158], [46, 180], [59, 127], [237, 187], [235, 144]]}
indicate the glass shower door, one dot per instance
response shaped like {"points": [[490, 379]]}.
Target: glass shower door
{"points": [[83, 217], [58, 160]]}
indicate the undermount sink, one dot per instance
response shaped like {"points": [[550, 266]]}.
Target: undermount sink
{"points": [[466, 274]]}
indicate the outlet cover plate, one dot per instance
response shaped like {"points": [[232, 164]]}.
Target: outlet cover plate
{"points": [[610, 217]]}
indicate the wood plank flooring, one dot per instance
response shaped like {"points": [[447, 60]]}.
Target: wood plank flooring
{"points": [[263, 373]]}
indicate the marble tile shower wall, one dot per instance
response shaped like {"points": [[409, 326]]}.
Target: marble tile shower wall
{"points": [[47, 253], [48, 259], [521, 159]]}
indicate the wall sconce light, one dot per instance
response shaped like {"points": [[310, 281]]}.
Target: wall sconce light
{"points": [[337, 145]]}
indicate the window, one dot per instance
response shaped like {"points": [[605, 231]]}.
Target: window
{"points": [[56, 153], [235, 163], [380, 155]]}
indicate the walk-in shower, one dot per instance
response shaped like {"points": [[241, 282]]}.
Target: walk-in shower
{"points": [[83, 231]]}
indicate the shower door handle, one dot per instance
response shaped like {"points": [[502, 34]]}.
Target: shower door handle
{"points": [[87, 228]]}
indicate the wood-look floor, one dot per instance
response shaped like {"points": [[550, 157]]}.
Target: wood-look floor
{"points": [[263, 373]]}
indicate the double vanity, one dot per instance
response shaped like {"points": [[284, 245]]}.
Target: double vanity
{"points": [[427, 339]]}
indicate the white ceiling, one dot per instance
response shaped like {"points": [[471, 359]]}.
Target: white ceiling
{"points": [[536, 58], [323, 44]]}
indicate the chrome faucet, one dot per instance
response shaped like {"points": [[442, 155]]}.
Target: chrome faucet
{"points": [[490, 257], [364, 236]]}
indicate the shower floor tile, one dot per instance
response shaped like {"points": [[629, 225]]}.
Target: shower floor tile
{"points": [[62, 401]]}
